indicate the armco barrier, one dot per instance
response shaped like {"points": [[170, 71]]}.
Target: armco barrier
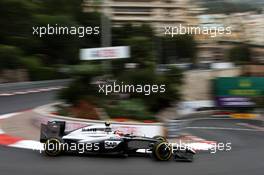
{"points": [[141, 129], [11, 87]]}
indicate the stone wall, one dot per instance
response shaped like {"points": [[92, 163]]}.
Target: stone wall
{"points": [[13, 75], [197, 85]]}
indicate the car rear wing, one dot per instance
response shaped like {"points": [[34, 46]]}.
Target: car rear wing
{"points": [[54, 129]]}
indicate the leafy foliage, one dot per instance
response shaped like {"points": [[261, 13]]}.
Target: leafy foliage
{"points": [[9, 56], [179, 48], [17, 19], [240, 54], [230, 7]]}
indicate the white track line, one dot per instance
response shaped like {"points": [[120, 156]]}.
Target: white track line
{"points": [[197, 119], [4, 116], [221, 128], [6, 94], [32, 91], [251, 126], [28, 144]]}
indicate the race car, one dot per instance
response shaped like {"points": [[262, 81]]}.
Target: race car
{"points": [[101, 139]]}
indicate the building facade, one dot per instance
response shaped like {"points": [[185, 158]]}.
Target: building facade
{"points": [[157, 13]]}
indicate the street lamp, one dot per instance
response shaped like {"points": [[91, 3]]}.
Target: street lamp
{"points": [[105, 25]]}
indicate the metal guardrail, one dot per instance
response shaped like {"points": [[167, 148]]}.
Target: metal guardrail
{"points": [[174, 127], [11, 87]]}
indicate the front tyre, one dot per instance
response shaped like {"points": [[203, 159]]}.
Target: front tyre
{"points": [[162, 151], [53, 147]]}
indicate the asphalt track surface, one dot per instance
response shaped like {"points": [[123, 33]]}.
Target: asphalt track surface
{"points": [[18, 103], [245, 157]]}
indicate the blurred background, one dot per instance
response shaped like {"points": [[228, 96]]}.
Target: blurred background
{"points": [[223, 73]]}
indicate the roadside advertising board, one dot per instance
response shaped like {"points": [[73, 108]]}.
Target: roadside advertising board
{"points": [[103, 53], [238, 91]]}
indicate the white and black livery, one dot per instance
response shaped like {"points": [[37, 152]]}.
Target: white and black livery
{"points": [[101, 139]]}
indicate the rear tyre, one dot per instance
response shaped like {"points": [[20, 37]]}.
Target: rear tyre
{"points": [[162, 151], [53, 147]]}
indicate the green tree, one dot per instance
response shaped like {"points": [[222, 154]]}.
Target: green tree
{"points": [[141, 41], [69, 7], [10, 57], [121, 34], [179, 48], [58, 49], [141, 54], [16, 21], [90, 19], [172, 80], [82, 88], [240, 54], [141, 51]]}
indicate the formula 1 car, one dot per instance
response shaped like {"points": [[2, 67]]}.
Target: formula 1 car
{"points": [[101, 139]]}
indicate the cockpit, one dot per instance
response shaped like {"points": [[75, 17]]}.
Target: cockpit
{"points": [[98, 128]]}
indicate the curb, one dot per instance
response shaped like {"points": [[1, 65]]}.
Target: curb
{"points": [[194, 142], [17, 142]]}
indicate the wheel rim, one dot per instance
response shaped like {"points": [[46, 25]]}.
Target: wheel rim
{"points": [[53, 147], [163, 151]]}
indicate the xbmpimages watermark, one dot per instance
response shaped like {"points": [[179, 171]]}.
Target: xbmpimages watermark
{"points": [[215, 147], [212, 31], [80, 31], [146, 89], [71, 147]]}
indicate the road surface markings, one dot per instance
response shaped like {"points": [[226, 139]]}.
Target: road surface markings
{"points": [[251, 126], [222, 128], [5, 94], [17, 142], [28, 144], [194, 142], [4, 116]]}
